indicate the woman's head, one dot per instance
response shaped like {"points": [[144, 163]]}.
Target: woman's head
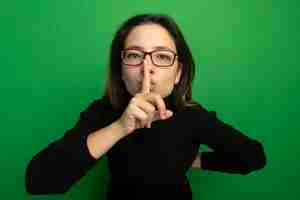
{"points": [[150, 45]]}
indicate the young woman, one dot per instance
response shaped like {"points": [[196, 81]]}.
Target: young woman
{"points": [[146, 123]]}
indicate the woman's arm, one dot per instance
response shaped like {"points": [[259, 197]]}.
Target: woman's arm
{"points": [[63, 162], [233, 151]]}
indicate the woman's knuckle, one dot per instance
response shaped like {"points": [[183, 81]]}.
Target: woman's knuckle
{"points": [[157, 96], [151, 108]]}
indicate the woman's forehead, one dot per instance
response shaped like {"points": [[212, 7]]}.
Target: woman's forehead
{"points": [[149, 37]]}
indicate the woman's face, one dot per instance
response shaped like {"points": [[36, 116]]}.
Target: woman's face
{"points": [[149, 37]]}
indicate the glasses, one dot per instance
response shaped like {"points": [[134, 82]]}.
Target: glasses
{"points": [[160, 58]]}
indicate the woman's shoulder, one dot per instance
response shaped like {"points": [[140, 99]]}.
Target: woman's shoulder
{"points": [[98, 106], [101, 102], [197, 109]]}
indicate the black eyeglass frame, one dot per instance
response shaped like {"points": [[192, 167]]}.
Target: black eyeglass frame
{"points": [[149, 53]]}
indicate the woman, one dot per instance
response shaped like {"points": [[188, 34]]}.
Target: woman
{"points": [[146, 123]]}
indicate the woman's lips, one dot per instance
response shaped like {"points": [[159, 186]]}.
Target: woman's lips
{"points": [[152, 86]]}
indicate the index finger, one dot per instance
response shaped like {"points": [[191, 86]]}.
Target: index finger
{"points": [[146, 83]]}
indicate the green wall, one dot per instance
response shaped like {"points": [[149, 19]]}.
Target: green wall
{"points": [[53, 58]]}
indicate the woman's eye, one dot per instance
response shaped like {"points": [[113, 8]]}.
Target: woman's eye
{"points": [[133, 55], [163, 57]]}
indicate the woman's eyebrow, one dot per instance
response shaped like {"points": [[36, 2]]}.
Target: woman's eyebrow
{"points": [[163, 48], [154, 48], [135, 47]]}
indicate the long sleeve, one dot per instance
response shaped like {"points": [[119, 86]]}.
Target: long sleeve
{"points": [[64, 161], [233, 151]]}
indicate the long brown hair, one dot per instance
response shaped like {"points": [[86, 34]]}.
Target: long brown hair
{"points": [[115, 88]]}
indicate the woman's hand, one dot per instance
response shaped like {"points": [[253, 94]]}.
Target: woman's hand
{"points": [[197, 162], [143, 109]]}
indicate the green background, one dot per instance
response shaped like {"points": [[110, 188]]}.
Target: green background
{"points": [[54, 57]]}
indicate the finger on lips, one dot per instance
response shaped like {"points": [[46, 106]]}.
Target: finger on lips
{"points": [[158, 101], [153, 98], [146, 83]]}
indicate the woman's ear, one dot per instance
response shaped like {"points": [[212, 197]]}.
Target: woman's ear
{"points": [[178, 73]]}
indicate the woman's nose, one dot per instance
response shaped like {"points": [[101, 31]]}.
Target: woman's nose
{"points": [[147, 64]]}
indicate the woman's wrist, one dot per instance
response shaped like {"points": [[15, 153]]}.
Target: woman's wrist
{"points": [[197, 162]]}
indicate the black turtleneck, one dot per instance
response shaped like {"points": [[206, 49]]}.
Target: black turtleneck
{"points": [[150, 162]]}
